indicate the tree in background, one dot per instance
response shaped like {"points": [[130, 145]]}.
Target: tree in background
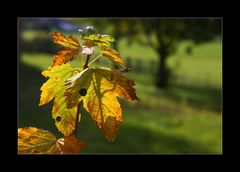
{"points": [[164, 34]]}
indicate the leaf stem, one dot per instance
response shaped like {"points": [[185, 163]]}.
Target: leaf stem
{"points": [[77, 119], [95, 59], [86, 63], [80, 103]]}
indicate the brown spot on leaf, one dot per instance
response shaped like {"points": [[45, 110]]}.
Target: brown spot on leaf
{"points": [[58, 119], [83, 91]]}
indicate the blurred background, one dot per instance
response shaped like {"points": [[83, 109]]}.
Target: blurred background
{"points": [[175, 63]]}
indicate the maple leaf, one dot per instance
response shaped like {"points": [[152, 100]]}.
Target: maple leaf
{"points": [[103, 87], [54, 88], [97, 39], [64, 118], [74, 84], [34, 140], [70, 50], [114, 56]]}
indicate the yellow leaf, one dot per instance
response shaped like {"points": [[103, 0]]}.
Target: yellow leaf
{"points": [[57, 76], [101, 100], [64, 118], [33, 140], [74, 85], [112, 55], [70, 50], [97, 39], [101, 97], [54, 88]]}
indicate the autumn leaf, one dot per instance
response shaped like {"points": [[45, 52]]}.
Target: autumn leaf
{"points": [[68, 144], [70, 50], [54, 88], [57, 76], [103, 87], [75, 84], [64, 118], [34, 140], [101, 100], [92, 39], [97, 39], [95, 89], [113, 55]]}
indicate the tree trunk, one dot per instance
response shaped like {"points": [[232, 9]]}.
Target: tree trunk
{"points": [[162, 74]]}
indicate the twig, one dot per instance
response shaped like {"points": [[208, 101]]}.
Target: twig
{"points": [[95, 59], [86, 63]]}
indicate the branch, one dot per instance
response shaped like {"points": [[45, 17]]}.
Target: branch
{"points": [[86, 63]]}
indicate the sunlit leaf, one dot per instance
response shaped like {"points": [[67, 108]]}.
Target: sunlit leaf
{"points": [[74, 84], [103, 87], [113, 55], [97, 39], [95, 89], [54, 88], [57, 76], [33, 140], [70, 50], [64, 118]]}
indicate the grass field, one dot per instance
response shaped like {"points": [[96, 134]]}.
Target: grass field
{"points": [[181, 119], [204, 63]]}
